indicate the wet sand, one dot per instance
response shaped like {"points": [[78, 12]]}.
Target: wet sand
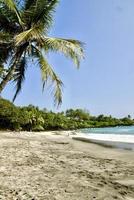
{"points": [[52, 166]]}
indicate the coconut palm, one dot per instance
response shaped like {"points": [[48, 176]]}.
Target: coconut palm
{"points": [[24, 27]]}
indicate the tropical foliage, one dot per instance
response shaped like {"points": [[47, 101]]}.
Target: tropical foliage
{"points": [[31, 118], [24, 28]]}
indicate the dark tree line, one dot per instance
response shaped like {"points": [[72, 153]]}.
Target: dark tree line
{"points": [[31, 118]]}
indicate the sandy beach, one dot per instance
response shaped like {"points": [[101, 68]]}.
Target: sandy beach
{"points": [[52, 166]]}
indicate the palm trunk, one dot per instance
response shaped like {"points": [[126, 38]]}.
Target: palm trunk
{"points": [[7, 78]]}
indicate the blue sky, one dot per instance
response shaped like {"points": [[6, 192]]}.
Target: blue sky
{"points": [[105, 81]]}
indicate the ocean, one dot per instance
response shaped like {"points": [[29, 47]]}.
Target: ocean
{"points": [[119, 137]]}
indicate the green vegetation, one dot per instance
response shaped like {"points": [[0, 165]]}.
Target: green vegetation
{"points": [[31, 118], [24, 27]]}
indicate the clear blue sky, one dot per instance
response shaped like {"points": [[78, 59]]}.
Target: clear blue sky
{"points": [[105, 81]]}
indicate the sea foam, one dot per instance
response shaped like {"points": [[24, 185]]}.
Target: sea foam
{"points": [[115, 140]]}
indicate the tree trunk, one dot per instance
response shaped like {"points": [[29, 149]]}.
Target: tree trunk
{"points": [[7, 78]]}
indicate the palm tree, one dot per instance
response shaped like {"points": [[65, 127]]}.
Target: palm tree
{"points": [[24, 27]]}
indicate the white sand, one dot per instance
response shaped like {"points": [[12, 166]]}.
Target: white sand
{"points": [[52, 166]]}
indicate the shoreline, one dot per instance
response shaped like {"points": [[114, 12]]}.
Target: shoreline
{"points": [[117, 141], [105, 143], [108, 140]]}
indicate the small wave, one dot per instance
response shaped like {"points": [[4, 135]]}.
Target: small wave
{"points": [[118, 140]]}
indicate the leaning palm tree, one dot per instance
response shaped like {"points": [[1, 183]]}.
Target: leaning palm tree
{"points": [[24, 27]]}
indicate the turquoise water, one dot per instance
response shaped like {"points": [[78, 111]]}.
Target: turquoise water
{"points": [[125, 130], [119, 137]]}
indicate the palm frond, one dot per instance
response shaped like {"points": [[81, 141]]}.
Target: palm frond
{"points": [[19, 75], [46, 10], [69, 47], [40, 12], [12, 6], [4, 36], [2, 71], [19, 64], [7, 24], [31, 34], [5, 51], [48, 75], [29, 3]]}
